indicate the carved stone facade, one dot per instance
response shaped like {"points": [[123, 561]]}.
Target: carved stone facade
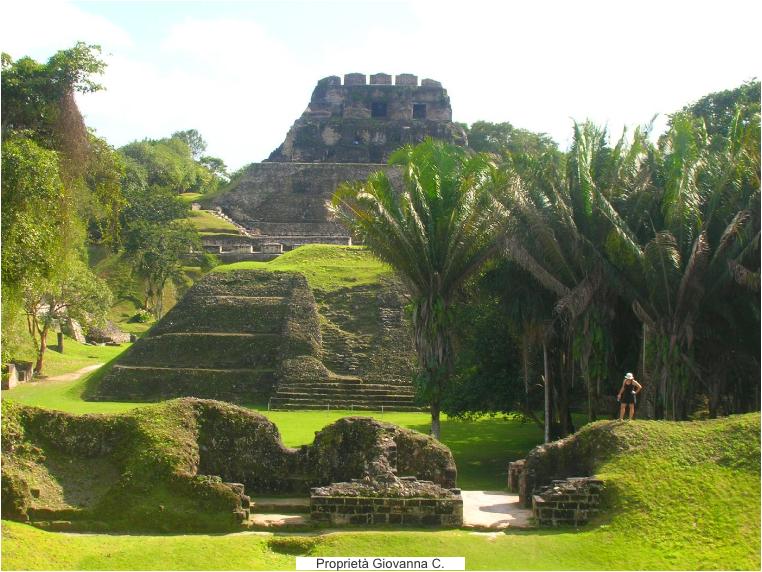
{"points": [[364, 122], [347, 132]]}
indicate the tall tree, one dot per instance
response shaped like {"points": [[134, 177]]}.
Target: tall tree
{"points": [[435, 231], [74, 293]]}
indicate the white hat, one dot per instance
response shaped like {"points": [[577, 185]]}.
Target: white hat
{"points": [[629, 376]]}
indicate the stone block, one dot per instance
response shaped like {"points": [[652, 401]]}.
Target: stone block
{"points": [[406, 79], [354, 79], [380, 79], [359, 519], [430, 83]]}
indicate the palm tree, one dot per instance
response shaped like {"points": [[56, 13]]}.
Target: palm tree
{"points": [[435, 230], [674, 241], [544, 236]]}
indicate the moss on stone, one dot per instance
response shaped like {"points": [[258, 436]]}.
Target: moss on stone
{"points": [[164, 467]]}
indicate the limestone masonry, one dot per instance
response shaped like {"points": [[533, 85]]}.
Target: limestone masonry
{"points": [[267, 337], [364, 121], [348, 131]]}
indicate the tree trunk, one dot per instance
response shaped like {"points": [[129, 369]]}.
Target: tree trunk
{"points": [[41, 350], [546, 381], [60, 338], [435, 426]]}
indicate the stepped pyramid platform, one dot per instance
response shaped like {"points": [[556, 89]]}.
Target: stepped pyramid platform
{"points": [[262, 337]]}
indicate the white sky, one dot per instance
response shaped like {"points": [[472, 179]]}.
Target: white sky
{"points": [[242, 72]]}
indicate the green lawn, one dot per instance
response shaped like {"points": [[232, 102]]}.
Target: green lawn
{"points": [[686, 496], [207, 223], [190, 197], [325, 267], [75, 356], [27, 548]]}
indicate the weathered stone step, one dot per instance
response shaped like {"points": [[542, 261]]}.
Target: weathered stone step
{"points": [[324, 401], [391, 397], [255, 299], [219, 334], [289, 406], [191, 369], [352, 385], [343, 390], [277, 505]]}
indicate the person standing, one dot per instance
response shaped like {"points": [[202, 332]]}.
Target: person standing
{"points": [[627, 395]]}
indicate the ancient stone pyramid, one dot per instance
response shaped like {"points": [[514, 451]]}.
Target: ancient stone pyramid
{"points": [[259, 337], [346, 132]]}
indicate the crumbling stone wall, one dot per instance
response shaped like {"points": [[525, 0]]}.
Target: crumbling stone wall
{"points": [[243, 446], [262, 337], [173, 462], [359, 122], [405, 501], [289, 199], [225, 339], [573, 456], [569, 501]]}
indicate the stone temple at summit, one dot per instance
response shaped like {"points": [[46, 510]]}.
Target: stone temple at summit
{"points": [[347, 131]]}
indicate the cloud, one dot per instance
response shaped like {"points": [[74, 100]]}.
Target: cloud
{"points": [[243, 77], [230, 79], [39, 29]]}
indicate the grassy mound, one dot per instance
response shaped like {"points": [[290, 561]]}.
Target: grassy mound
{"points": [[208, 224], [161, 467], [680, 496], [325, 267]]}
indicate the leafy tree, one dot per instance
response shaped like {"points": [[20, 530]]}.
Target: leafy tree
{"points": [[503, 139], [33, 92], [718, 109], [677, 262], [435, 231], [103, 178], [169, 165], [57, 179], [31, 192], [157, 252], [215, 165], [75, 293], [194, 141]]}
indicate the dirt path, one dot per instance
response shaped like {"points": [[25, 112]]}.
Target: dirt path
{"points": [[494, 509], [73, 375]]}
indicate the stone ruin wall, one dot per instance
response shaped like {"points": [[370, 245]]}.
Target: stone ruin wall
{"points": [[364, 122], [216, 453], [347, 132], [286, 202], [257, 337]]}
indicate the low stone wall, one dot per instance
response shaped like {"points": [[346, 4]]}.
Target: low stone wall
{"points": [[329, 507], [569, 501]]}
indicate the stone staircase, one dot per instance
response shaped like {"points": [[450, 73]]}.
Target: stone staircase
{"points": [[344, 393]]}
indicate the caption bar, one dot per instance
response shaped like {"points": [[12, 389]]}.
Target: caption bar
{"points": [[378, 563]]}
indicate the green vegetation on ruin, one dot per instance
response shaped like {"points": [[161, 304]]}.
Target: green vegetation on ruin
{"points": [[680, 496], [206, 224], [480, 446], [326, 267]]}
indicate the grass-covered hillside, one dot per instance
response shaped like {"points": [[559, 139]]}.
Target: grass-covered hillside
{"points": [[679, 496], [207, 223], [325, 267]]}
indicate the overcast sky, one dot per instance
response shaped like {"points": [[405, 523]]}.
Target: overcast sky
{"points": [[242, 72]]}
